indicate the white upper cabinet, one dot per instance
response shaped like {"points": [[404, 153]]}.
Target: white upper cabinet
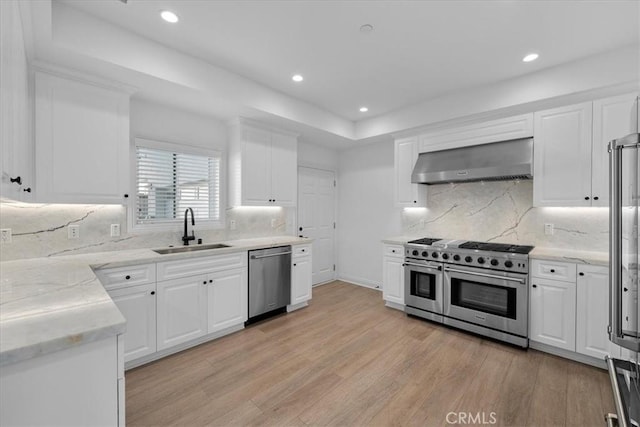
{"points": [[81, 141], [478, 133], [15, 137], [570, 152], [613, 118], [262, 166], [562, 156], [406, 193]]}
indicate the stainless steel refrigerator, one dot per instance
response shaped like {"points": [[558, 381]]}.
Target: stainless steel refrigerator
{"points": [[624, 308]]}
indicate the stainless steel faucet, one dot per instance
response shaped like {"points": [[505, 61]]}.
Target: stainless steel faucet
{"points": [[186, 238]]}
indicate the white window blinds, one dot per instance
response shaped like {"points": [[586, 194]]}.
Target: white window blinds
{"points": [[168, 182]]}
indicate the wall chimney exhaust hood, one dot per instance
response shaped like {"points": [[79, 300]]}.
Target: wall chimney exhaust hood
{"points": [[498, 161]]}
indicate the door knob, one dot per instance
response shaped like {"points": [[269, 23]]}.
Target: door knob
{"points": [[300, 228]]}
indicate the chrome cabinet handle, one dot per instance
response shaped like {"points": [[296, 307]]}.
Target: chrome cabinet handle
{"points": [[493, 276], [616, 335], [267, 256]]}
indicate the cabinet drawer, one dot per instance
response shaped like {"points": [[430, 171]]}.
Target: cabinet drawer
{"points": [[565, 271], [118, 277], [190, 267], [301, 250], [394, 251]]}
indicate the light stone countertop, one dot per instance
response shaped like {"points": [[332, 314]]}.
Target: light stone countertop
{"points": [[49, 304], [551, 254], [571, 255]]}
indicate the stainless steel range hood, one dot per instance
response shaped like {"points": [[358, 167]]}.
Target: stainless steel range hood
{"points": [[497, 161]]}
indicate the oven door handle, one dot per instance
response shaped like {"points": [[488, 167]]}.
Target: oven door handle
{"points": [[421, 266], [493, 276]]}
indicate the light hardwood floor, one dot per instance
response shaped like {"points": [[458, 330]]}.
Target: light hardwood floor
{"points": [[348, 360]]}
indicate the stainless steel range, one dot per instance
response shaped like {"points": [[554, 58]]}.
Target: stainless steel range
{"points": [[476, 286]]}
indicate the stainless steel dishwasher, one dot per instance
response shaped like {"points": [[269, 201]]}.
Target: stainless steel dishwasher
{"points": [[269, 280]]}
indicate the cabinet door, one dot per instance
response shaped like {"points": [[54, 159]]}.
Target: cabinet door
{"points": [[284, 170], [553, 313], [562, 156], [17, 157], [82, 142], [406, 193], [301, 280], [393, 280], [227, 299], [592, 313], [138, 305], [256, 167], [182, 310], [612, 118]]}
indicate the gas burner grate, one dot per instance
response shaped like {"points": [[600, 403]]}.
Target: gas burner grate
{"points": [[497, 247], [424, 241]]}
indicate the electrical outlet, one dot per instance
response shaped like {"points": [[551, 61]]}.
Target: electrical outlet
{"points": [[6, 235], [115, 230], [73, 232], [232, 224], [548, 229], [273, 223]]}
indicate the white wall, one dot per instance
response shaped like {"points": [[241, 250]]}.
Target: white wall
{"points": [[161, 123], [366, 211], [315, 156]]}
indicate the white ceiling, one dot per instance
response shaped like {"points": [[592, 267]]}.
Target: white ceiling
{"points": [[418, 50]]}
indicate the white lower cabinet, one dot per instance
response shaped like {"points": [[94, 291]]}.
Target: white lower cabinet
{"points": [[226, 299], [592, 315], [300, 280], [393, 274], [181, 310], [138, 305], [77, 386], [553, 313], [572, 312]]}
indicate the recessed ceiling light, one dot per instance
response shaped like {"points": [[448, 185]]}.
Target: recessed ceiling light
{"points": [[363, 109], [169, 16], [530, 57], [297, 78], [366, 28]]}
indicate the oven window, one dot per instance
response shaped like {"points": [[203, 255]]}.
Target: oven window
{"points": [[423, 285], [497, 300]]}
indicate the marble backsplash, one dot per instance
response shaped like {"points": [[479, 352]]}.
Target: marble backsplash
{"points": [[502, 212], [40, 230]]}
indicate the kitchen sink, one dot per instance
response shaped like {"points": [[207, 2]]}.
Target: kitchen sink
{"points": [[181, 249]]}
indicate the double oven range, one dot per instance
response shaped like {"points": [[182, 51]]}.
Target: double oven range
{"points": [[475, 286]]}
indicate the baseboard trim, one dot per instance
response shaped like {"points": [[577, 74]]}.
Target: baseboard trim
{"points": [[180, 347], [365, 283], [294, 307], [394, 305], [587, 360]]}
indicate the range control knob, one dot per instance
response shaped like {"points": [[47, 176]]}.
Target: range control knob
{"points": [[445, 256], [508, 264], [468, 259], [434, 255], [425, 253], [456, 257], [414, 253], [480, 260], [494, 262]]}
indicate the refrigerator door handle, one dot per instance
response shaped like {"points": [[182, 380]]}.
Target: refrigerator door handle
{"points": [[616, 334]]}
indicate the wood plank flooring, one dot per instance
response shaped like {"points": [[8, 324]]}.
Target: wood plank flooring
{"points": [[347, 360]]}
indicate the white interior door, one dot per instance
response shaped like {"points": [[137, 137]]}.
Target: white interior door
{"points": [[316, 219]]}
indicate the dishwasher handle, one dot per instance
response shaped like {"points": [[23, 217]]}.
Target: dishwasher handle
{"points": [[269, 255]]}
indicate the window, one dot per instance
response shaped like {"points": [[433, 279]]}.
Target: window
{"points": [[170, 179]]}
